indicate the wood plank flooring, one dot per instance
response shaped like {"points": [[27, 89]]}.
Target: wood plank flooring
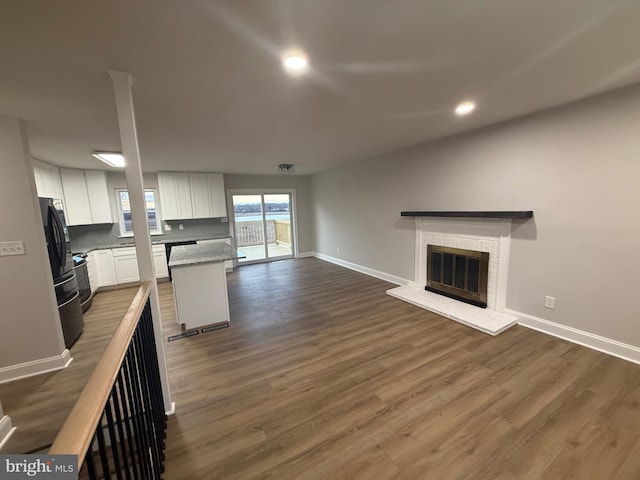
{"points": [[39, 405], [322, 375]]}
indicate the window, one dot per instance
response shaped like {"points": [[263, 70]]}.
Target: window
{"points": [[124, 208]]}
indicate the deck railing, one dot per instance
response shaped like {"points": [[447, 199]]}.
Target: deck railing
{"points": [[118, 425], [252, 233]]}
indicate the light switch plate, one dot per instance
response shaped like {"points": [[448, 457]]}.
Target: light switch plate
{"points": [[12, 248]]}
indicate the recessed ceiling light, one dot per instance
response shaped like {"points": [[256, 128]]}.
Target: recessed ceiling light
{"points": [[110, 158], [295, 62], [465, 108]]}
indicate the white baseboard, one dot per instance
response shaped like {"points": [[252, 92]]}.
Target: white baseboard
{"points": [[6, 430], [305, 254], [586, 339], [36, 367], [366, 270]]}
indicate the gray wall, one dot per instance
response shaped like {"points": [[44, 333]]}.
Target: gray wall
{"points": [[29, 323], [303, 202], [577, 167]]}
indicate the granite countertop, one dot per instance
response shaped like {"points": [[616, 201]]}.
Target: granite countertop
{"points": [[153, 242], [185, 255]]}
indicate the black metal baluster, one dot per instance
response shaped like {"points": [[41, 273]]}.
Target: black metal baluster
{"points": [[102, 448], [88, 459], [120, 425], [146, 399], [139, 364], [135, 415], [153, 376], [127, 418], [114, 439]]}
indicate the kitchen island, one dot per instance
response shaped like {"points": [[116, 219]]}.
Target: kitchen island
{"points": [[200, 283]]}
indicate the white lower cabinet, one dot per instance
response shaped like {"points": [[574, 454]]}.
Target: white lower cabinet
{"points": [[104, 269], [92, 271], [125, 263], [160, 261], [117, 266]]}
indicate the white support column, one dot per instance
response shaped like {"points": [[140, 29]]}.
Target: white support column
{"points": [[6, 428], [122, 82]]}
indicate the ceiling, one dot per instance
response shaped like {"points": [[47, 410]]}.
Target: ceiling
{"points": [[210, 93]]}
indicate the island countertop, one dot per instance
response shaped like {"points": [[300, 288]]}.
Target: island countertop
{"points": [[185, 255]]}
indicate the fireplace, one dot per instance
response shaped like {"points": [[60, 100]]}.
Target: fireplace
{"points": [[480, 233], [458, 273]]}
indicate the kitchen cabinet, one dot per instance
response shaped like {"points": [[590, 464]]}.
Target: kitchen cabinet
{"points": [[116, 266], [48, 183], [99, 201], [125, 263], [160, 261], [92, 271], [192, 195], [175, 196], [200, 284], [104, 268], [86, 197], [207, 195]]}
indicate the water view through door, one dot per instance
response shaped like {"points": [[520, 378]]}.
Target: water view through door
{"points": [[263, 226]]}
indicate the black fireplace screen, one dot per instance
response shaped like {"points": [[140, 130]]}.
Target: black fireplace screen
{"points": [[458, 273]]}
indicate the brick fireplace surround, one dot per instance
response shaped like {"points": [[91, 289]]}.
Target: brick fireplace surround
{"points": [[481, 231]]}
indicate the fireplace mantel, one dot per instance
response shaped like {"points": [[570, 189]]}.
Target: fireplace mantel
{"points": [[473, 214]]}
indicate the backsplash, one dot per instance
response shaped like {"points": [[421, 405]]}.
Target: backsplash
{"points": [[87, 237]]}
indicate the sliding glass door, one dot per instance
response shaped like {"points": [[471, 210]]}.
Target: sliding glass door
{"points": [[263, 226]]}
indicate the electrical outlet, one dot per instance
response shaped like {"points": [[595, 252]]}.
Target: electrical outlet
{"points": [[12, 248], [167, 227], [180, 226], [550, 302], [338, 250]]}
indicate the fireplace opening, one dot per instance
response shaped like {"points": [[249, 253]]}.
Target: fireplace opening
{"points": [[458, 273]]}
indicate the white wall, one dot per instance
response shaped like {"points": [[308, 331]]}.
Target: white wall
{"points": [[303, 206], [30, 327], [577, 167]]}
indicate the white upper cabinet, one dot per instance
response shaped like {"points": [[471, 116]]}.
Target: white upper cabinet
{"points": [[99, 201], [76, 197], [48, 183], [86, 197], [192, 195], [207, 195], [175, 195]]}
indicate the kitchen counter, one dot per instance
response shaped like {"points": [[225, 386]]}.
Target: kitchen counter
{"points": [[153, 242], [186, 255], [200, 283]]}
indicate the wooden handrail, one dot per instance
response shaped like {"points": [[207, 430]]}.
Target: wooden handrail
{"points": [[77, 432]]}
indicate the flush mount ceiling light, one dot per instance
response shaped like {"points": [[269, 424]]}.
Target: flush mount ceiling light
{"points": [[295, 62], [465, 108], [286, 168], [113, 159]]}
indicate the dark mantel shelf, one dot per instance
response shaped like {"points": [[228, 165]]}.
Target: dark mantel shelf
{"points": [[474, 214]]}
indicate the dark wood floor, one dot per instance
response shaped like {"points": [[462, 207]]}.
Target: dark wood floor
{"points": [[322, 375], [39, 405]]}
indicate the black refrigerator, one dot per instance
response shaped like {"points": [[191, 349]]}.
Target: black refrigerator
{"points": [[64, 277]]}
